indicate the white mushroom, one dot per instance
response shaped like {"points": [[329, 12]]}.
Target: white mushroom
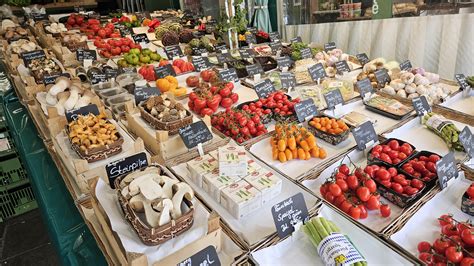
{"points": [[145, 184], [51, 99], [136, 202], [181, 190], [72, 100], [164, 207], [152, 216], [167, 185]]}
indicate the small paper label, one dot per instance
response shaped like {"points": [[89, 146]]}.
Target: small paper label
{"points": [[284, 61], [329, 46], [83, 54], [246, 53], [336, 249], [306, 109], [229, 75], [89, 109], [205, 257], [467, 140], [274, 36], [143, 93], [194, 134], [306, 53], [296, 39], [28, 56], [342, 66], [288, 80], [254, 69], [201, 63], [421, 105], [173, 51], [406, 65], [365, 87], [264, 88], [333, 98], [382, 76], [140, 38], [275, 46], [446, 170], [364, 134], [163, 71]]}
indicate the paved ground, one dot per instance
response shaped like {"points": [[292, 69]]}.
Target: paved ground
{"points": [[24, 240]]}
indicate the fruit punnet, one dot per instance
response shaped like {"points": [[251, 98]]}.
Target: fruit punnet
{"points": [[291, 142], [238, 124], [454, 245]]}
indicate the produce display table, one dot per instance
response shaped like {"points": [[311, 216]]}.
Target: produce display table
{"points": [[70, 235]]}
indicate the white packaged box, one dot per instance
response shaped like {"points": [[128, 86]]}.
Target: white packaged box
{"points": [[232, 161], [241, 198], [200, 166], [213, 183], [252, 166], [266, 182], [214, 154]]}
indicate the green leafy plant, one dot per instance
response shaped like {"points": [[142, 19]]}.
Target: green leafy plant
{"points": [[238, 21]]}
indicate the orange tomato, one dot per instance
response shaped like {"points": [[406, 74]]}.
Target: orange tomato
{"points": [[315, 152], [304, 145], [288, 154], [275, 154], [295, 153], [282, 157], [281, 145], [308, 155], [322, 153], [291, 143], [301, 154]]}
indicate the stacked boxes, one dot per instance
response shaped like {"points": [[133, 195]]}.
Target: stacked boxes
{"points": [[236, 181]]}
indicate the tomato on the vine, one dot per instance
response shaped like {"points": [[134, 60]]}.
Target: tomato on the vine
{"points": [[445, 219], [355, 212], [335, 189], [363, 193], [467, 236], [440, 245], [424, 246], [454, 254], [373, 203], [385, 210]]}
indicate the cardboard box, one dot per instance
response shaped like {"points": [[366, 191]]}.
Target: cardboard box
{"points": [[266, 182], [252, 166], [241, 198], [200, 166], [232, 161], [213, 183]]}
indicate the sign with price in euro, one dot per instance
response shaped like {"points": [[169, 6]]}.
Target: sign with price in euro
{"points": [[288, 213]]}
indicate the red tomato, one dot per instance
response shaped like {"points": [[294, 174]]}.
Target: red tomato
{"points": [[394, 144], [234, 97], [467, 236], [385, 210], [369, 170], [342, 184], [352, 182], [370, 184], [363, 212], [345, 206], [426, 258], [335, 189], [445, 219], [393, 172], [207, 111], [339, 200], [441, 245], [467, 261], [424, 246], [344, 169], [393, 154], [434, 158], [405, 149], [363, 193], [454, 254], [386, 148], [417, 183], [382, 174], [226, 102], [323, 189], [397, 188], [373, 203], [377, 148], [354, 212], [384, 157], [329, 197]]}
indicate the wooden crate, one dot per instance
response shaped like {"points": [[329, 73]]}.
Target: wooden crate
{"points": [[65, 56], [80, 169], [26, 90], [161, 144]]}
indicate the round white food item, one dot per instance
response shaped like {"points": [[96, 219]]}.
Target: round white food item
{"points": [[389, 90], [402, 93], [410, 88], [413, 95]]}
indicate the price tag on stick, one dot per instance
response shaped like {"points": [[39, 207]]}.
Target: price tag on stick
{"points": [[333, 98], [255, 69], [288, 213], [274, 36], [140, 38], [88, 109], [51, 79], [467, 140], [275, 46], [382, 77], [284, 61], [124, 166], [173, 51], [288, 80], [163, 71], [264, 88], [194, 134], [462, 82], [98, 78], [28, 56], [207, 256], [306, 53], [365, 87], [329, 46], [342, 66], [305, 110], [246, 53], [421, 105], [364, 135], [446, 170], [201, 63], [229, 75], [86, 54], [250, 38], [296, 39]]}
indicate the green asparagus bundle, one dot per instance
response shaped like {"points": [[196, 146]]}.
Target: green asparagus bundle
{"points": [[443, 128], [319, 228]]}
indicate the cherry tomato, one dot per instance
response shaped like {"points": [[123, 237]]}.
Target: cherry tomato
{"points": [[382, 174], [369, 170], [463, 225], [363, 193], [342, 184], [424, 246], [385, 210], [344, 169], [340, 176], [441, 245], [470, 191], [377, 148], [363, 212], [373, 203], [393, 172], [417, 183], [335, 189], [345, 206], [354, 212], [339, 200], [426, 258], [329, 197], [467, 236], [454, 254], [397, 188], [352, 182], [434, 158], [370, 184], [467, 261], [445, 219]]}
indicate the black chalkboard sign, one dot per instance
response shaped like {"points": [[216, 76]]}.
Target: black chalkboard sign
{"points": [[284, 61], [467, 140], [363, 134], [306, 53], [201, 63], [252, 30], [199, 50], [275, 46], [306, 109], [333, 98], [329, 46], [221, 47], [224, 58], [296, 39], [288, 213], [143, 93], [207, 256], [264, 88], [163, 71], [140, 38], [288, 80], [229, 75], [125, 31], [274, 36], [342, 66], [124, 166], [250, 38], [365, 87], [254, 69], [89, 109], [363, 58], [173, 51], [194, 134], [317, 71], [39, 17], [51, 79], [246, 53], [461, 79], [406, 65], [82, 54], [127, 70], [110, 72], [98, 78], [382, 76], [28, 56], [421, 105], [446, 169]]}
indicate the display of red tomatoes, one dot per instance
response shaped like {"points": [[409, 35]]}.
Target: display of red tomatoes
{"points": [[422, 167], [470, 191], [353, 193], [392, 152], [238, 124], [392, 179], [181, 66], [205, 96]]}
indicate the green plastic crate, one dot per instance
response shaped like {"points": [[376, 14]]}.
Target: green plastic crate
{"points": [[5, 136], [12, 174], [16, 201]]}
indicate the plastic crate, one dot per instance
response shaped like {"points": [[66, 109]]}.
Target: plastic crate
{"points": [[17, 201], [12, 174], [7, 146]]}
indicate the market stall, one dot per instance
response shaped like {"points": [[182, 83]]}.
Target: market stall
{"points": [[176, 148]]}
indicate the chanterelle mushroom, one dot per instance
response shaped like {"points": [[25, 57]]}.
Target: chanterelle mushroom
{"points": [[181, 190]]}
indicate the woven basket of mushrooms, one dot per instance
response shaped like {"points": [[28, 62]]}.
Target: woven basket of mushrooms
{"points": [[93, 137], [22, 46], [158, 206], [15, 33], [41, 67], [164, 113], [55, 29], [64, 95], [74, 41]]}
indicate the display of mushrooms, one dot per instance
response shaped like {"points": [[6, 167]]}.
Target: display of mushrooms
{"points": [[41, 67], [165, 109], [156, 195], [15, 33], [22, 46], [92, 132], [64, 95], [55, 28]]}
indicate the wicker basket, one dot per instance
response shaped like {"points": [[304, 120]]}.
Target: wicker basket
{"points": [[468, 171], [155, 236], [171, 127], [97, 154]]}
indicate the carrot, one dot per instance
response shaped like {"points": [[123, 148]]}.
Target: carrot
{"points": [[301, 154], [282, 157], [288, 154], [304, 145], [315, 152], [281, 144]]}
